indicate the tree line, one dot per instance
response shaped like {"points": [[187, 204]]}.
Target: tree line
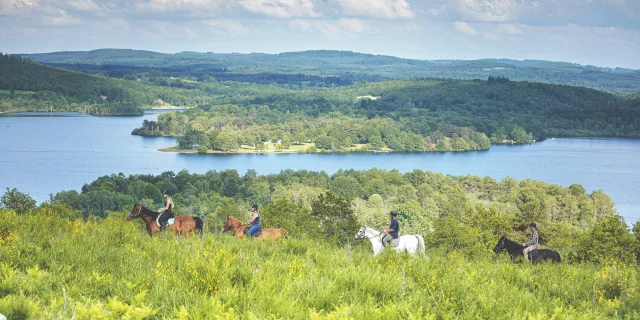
{"points": [[336, 68], [464, 214]]}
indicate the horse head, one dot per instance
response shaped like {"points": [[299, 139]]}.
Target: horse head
{"points": [[230, 224], [361, 234], [135, 212], [500, 245]]}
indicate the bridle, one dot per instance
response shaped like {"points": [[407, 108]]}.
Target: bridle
{"points": [[361, 235], [139, 208], [235, 229]]}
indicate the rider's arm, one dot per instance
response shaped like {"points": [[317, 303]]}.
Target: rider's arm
{"points": [[166, 207], [255, 215]]}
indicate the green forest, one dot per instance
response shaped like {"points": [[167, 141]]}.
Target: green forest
{"points": [[76, 256], [326, 68], [404, 116]]}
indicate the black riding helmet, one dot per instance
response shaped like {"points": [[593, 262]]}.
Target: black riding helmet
{"points": [[532, 225], [254, 206], [166, 192], [394, 213]]}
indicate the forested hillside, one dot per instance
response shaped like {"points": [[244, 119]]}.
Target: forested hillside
{"points": [[465, 214], [417, 115], [334, 68], [29, 86]]}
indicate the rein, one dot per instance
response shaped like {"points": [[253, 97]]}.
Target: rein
{"points": [[137, 214], [364, 236]]}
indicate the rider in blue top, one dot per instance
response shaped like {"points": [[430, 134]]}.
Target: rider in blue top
{"points": [[392, 231], [255, 220]]}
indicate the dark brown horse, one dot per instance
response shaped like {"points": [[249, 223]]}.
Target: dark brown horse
{"points": [[181, 224], [515, 250], [238, 230]]}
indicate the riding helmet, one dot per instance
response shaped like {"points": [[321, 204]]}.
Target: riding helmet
{"points": [[532, 225], [254, 206], [394, 213], [166, 192]]}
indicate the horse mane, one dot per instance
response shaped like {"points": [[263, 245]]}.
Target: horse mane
{"points": [[149, 212], [510, 243]]}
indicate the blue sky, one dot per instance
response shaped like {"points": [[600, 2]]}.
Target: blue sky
{"points": [[595, 32]]}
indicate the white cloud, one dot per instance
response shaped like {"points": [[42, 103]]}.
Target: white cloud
{"points": [[351, 25], [337, 30], [84, 5], [225, 27], [492, 10], [465, 28], [191, 6], [60, 19], [280, 8], [119, 23], [512, 29], [388, 9]]}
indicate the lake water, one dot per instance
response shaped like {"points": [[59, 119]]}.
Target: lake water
{"points": [[45, 153]]}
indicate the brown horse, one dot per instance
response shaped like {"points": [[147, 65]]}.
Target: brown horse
{"points": [[181, 224], [238, 230]]}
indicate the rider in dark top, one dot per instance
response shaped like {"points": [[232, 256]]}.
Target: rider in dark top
{"points": [[392, 231], [166, 213], [255, 220], [532, 244]]}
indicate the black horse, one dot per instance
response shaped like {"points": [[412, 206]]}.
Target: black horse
{"points": [[515, 250]]}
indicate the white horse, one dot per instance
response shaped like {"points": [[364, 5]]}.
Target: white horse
{"points": [[408, 243]]}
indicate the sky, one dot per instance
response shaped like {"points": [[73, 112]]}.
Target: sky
{"points": [[589, 32]]}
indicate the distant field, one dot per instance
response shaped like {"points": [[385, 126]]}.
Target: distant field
{"points": [[17, 92], [368, 97]]}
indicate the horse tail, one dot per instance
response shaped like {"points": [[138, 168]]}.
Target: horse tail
{"points": [[421, 244], [284, 232], [199, 224]]}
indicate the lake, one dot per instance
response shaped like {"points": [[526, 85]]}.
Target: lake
{"points": [[44, 153]]}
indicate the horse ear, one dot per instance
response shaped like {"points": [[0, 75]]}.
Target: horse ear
{"points": [[228, 217]]}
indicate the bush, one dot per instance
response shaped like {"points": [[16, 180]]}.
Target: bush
{"points": [[298, 222], [336, 218], [15, 200], [609, 239]]}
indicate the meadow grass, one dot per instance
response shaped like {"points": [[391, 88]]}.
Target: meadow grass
{"points": [[52, 268]]}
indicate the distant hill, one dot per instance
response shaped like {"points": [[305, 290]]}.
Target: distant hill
{"points": [[328, 68], [42, 87]]}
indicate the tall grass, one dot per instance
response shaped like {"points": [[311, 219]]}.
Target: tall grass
{"points": [[52, 268]]}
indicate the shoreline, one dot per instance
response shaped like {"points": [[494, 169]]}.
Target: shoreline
{"points": [[249, 151], [168, 108]]}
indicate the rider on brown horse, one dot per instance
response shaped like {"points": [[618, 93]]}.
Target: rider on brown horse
{"points": [[166, 213], [254, 221]]}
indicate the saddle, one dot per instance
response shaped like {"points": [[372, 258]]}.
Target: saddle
{"points": [[255, 234], [169, 222], [533, 253]]}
